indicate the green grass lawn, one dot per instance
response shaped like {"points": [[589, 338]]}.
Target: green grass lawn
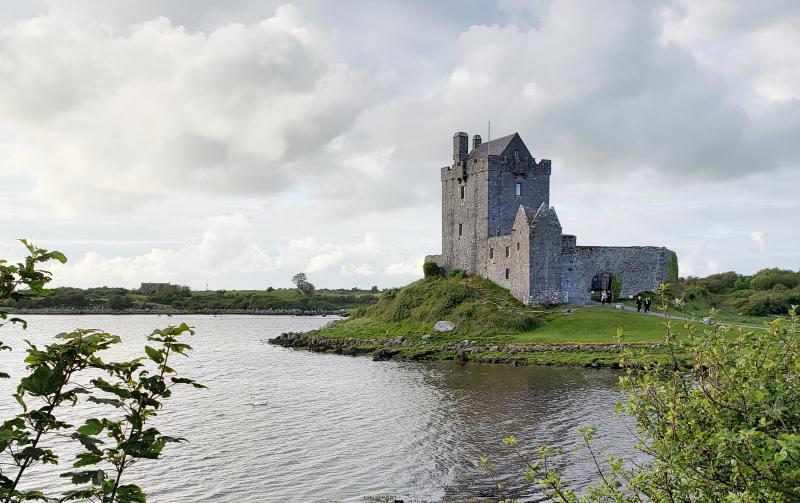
{"points": [[585, 325], [599, 325]]}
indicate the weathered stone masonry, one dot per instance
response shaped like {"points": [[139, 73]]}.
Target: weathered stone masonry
{"points": [[497, 222]]}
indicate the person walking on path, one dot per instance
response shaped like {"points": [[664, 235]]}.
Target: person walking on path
{"points": [[638, 303], [647, 302], [603, 298]]}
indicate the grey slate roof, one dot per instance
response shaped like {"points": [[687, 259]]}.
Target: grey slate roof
{"points": [[497, 147]]}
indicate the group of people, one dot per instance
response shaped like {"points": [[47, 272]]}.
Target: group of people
{"points": [[606, 297]]}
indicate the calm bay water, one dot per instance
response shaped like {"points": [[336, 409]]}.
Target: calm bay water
{"points": [[336, 428]]}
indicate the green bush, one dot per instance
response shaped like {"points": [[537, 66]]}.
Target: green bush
{"points": [[457, 273], [431, 270], [723, 429], [765, 279], [616, 287]]}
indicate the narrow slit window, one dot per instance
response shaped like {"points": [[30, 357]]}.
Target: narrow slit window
{"points": [[508, 251], [518, 189], [462, 192], [508, 273], [517, 246], [460, 229], [491, 252]]}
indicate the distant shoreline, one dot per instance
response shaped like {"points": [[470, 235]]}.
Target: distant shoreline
{"points": [[255, 312]]}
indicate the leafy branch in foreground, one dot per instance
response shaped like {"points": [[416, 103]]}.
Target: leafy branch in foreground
{"points": [[57, 372], [50, 384], [14, 276], [138, 394], [718, 421]]}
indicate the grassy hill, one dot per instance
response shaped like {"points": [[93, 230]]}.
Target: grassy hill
{"points": [[497, 327]]}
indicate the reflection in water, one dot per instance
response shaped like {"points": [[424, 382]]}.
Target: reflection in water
{"points": [[340, 428]]}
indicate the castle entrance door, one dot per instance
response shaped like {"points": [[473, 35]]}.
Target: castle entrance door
{"points": [[601, 282]]}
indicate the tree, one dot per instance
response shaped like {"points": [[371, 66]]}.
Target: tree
{"points": [[300, 280]]}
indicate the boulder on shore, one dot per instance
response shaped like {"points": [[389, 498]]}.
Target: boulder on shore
{"points": [[384, 354], [444, 326]]}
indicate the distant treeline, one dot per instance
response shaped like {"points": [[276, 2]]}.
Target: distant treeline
{"points": [[768, 292], [181, 298]]}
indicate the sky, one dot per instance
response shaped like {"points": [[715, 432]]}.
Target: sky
{"points": [[233, 144]]}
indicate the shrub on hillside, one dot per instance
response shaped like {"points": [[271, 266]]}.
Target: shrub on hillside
{"points": [[765, 279], [720, 283], [431, 270], [764, 303], [457, 273]]}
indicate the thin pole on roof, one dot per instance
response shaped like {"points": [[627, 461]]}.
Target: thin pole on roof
{"points": [[488, 139]]}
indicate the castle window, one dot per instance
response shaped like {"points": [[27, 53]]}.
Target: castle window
{"points": [[508, 252], [460, 229], [491, 252], [518, 189], [516, 155], [462, 192], [508, 273], [517, 246]]}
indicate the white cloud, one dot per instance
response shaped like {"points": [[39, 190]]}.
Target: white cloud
{"points": [[758, 238], [105, 118], [712, 266], [332, 253], [357, 270], [406, 268], [226, 246]]}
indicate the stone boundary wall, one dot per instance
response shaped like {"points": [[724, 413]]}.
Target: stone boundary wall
{"points": [[639, 268]]}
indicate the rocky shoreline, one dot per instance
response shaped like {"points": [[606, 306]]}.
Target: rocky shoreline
{"points": [[402, 349]]}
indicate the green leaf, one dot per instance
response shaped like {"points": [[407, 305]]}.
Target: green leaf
{"points": [[154, 354], [184, 380], [130, 493], [106, 401], [96, 477], [88, 442], [86, 459], [56, 255], [33, 453], [42, 382], [91, 427]]}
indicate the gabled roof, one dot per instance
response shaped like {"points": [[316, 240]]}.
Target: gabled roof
{"points": [[543, 212], [494, 147]]}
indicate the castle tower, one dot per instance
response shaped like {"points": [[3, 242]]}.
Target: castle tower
{"points": [[481, 192]]}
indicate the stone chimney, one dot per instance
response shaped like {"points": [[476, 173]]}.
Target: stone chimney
{"points": [[460, 146], [476, 141]]}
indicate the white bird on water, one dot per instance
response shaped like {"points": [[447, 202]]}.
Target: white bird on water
{"points": [[253, 401]]}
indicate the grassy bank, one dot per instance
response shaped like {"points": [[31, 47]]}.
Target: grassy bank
{"points": [[491, 326]]}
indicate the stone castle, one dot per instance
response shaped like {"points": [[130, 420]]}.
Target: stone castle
{"points": [[497, 222]]}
